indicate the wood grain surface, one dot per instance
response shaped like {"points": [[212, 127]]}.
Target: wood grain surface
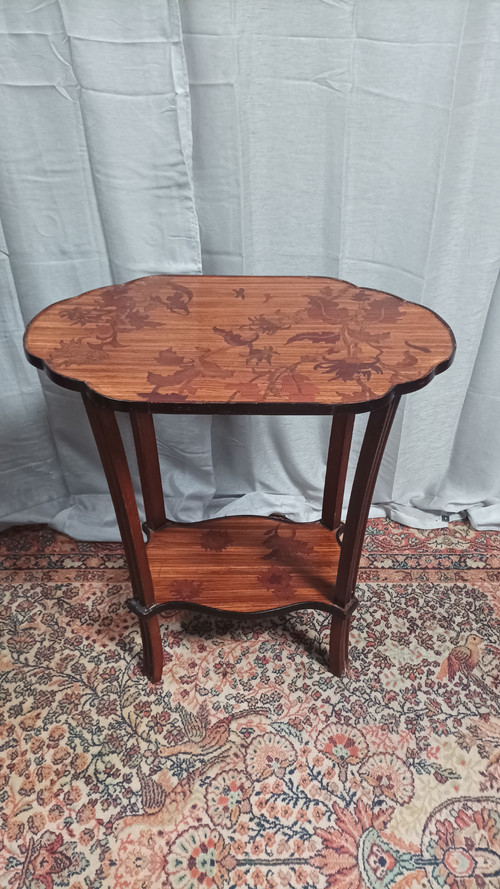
{"points": [[239, 344], [244, 564]]}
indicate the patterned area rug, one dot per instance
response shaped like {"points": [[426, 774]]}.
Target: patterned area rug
{"points": [[250, 765]]}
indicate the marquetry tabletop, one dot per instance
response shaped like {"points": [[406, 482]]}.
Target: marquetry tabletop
{"points": [[233, 344]]}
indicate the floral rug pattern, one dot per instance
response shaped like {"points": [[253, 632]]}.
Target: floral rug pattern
{"points": [[250, 764]]}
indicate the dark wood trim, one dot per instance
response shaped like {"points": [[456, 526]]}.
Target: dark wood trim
{"points": [[336, 469], [145, 612], [114, 461], [112, 453], [338, 656], [238, 408], [370, 457], [149, 468]]}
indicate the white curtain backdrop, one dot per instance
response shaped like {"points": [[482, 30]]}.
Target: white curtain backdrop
{"points": [[353, 138]]}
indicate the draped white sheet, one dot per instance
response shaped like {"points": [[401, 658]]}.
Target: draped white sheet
{"points": [[350, 138]]}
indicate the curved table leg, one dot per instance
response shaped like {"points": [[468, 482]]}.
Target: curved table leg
{"points": [[114, 461], [149, 469], [152, 650], [338, 657], [336, 469], [370, 457]]}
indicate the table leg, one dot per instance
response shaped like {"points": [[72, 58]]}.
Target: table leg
{"points": [[370, 457], [149, 469], [114, 461], [339, 644], [336, 469]]}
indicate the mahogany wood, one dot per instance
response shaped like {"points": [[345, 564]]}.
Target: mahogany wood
{"points": [[336, 469], [252, 345], [374, 442], [114, 461], [244, 564], [149, 469], [239, 345], [338, 656]]}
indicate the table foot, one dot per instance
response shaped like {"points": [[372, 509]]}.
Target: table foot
{"points": [[152, 649], [338, 657]]}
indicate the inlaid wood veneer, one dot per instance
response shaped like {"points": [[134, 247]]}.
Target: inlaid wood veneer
{"points": [[240, 345]]}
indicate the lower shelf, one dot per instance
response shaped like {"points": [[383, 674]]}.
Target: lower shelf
{"points": [[244, 564]]}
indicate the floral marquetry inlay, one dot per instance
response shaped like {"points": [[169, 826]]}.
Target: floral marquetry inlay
{"points": [[227, 341]]}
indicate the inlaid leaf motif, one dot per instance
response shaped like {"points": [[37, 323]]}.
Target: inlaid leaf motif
{"points": [[315, 336], [78, 351], [208, 366], [323, 307], [154, 395], [215, 539], [178, 301], [409, 360], [298, 386], [285, 546], [169, 358], [235, 339], [269, 326], [310, 340], [347, 368], [382, 309], [140, 320], [259, 355], [184, 374], [77, 315], [418, 348]]}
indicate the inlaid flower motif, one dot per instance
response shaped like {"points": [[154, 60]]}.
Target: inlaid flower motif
{"points": [[277, 580], [185, 589], [269, 755], [198, 859], [259, 355], [263, 324], [78, 351], [215, 539], [389, 776]]}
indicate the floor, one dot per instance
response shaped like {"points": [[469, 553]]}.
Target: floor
{"points": [[249, 764]]}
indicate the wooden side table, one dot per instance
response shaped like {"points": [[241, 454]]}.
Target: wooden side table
{"points": [[240, 345]]}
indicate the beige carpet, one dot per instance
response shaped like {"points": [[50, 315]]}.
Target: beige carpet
{"points": [[250, 765]]}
